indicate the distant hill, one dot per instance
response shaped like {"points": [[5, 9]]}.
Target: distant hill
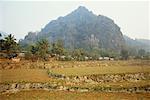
{"points": [[138, 43], [81, 29]]}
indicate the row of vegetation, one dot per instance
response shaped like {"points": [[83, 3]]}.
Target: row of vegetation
{"points": [[42, 50]]}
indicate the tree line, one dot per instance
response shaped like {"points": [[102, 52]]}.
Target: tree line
{"points": [[42, 50]]}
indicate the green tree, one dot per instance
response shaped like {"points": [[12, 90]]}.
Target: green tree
{"points": [[2, 45], [104, 53], [79, 54], [94, 53], [124, 54], [132, 52], [31, 54], [34, 49], [42, 48], [10, 44], [58, 47], [141, 53], [113, 54]]}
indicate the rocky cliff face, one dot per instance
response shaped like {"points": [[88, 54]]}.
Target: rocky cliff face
{"points": [[82, 29]]}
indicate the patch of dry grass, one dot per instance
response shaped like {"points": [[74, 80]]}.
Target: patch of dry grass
{"points": [[65, 95], [143, 63], [100, 70], [27, 75]]}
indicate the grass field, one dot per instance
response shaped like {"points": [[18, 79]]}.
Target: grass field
{"points": [[63, 95], [27, 75], [132, 63], [38, 75], [82, 68], [100, 70]]}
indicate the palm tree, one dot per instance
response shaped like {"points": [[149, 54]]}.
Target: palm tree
{"points": [[10, 43]]}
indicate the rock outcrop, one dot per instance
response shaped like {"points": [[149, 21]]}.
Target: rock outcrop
{"points": [[15, 87], [103, 78]]}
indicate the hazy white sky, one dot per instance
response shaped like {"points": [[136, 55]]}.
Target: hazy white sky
{"points": [[19, 18]]}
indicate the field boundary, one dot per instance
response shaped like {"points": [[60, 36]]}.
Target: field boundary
{"points": [[16, 87]]}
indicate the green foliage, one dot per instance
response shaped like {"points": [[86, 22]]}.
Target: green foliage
{"points": [[113, 54], [39, 51], [104, 53], [10, 44], [58, 47], [94, 53], [141, 52], [34, 49], [42, 49], [78, 52], [124, 54], [133, 52], [2, 45]]}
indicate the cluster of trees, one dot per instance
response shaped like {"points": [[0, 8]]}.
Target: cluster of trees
{"points": [[9, 45], [134, 54], [39, 50], [43, 49]]}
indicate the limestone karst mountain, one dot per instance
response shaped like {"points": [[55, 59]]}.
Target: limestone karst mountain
{"points": [[81, 29]]}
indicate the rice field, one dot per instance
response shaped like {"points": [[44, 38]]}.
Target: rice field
{"points": [[23, 73]]}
